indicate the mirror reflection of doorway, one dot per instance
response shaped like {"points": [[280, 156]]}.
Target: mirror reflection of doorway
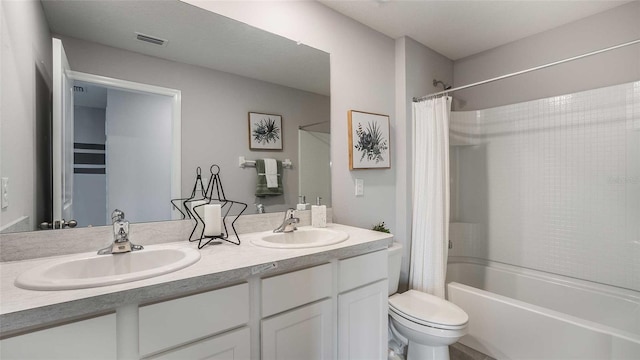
{"points": [[122, 143], [44, 162], [314, 147]]}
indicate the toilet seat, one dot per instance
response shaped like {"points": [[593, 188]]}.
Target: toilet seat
{"points": [[428, 310], [424, 333]]}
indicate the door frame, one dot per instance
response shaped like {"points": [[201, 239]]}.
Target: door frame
{"points": [[61, 94], [176, 119]]}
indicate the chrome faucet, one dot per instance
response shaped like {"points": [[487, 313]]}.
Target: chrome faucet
{"points": [[121, 243], [289, 223]]}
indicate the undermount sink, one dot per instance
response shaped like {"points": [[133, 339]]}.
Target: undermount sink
{"points": [[102, 270], [304, 237]]}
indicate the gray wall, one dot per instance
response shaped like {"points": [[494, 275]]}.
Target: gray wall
{"points": [[215, 107], [613, 27], [315, 170], [88, 125], [416, 67], [26, 48], [89, 190], [139, 144]]}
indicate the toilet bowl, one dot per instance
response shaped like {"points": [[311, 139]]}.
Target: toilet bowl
{"points": [[429, 323]]}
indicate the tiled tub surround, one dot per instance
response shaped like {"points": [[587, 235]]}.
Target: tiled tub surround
{"points": [[552, 185], [569, 319], [221, 265]]}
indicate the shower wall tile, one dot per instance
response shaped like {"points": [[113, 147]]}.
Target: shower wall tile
{"points": [[464, 237], [554, 184]]}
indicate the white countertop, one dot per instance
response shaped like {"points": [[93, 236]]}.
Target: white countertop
{"points": [[220, 265]]}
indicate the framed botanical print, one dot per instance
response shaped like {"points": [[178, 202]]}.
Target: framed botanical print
{"points": [[265, 131], [369, 146]]}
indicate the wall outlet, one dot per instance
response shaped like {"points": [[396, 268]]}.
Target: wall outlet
{"points": [[4, 196], [359, 187]]}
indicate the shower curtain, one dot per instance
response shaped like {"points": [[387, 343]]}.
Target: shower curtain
{"points": [[430, 223]]}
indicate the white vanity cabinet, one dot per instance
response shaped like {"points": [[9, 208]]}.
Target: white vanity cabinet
{"points": [[362, 306], [337, 309], [190, 323], [93, 338], [297, 320]]}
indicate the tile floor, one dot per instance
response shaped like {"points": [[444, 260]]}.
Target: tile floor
{"points": [[458, 351]]}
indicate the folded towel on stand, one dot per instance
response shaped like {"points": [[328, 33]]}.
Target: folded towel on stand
{"points": [[271, 172], [261, 183]]}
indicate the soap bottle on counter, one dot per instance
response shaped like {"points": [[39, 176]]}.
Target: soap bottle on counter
{"points": [[302, 203], [318, 214]]}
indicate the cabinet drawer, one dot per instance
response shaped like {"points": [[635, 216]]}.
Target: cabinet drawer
{"points": [[87, 339], [174, 322], [284, 292], [362, 270], [234, 345]]}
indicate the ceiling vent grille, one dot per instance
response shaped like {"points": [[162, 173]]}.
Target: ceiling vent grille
{"points": [[151, 39]]}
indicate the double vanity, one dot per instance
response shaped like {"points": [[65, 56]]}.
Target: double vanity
{"points": [[312, 294]]}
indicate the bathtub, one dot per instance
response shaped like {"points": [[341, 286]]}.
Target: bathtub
{"points": [[517, 313]]}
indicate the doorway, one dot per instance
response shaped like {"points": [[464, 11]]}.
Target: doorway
{"points": [[125, 150]]}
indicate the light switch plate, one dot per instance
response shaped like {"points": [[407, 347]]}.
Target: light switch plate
{"points": [[359, 187], [4, 196]]}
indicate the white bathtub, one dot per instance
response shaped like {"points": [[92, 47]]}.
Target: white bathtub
{"points": [[516, 313]]}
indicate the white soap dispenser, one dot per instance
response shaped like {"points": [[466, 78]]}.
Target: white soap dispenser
{"points": [[318, 214], [302, 203]]}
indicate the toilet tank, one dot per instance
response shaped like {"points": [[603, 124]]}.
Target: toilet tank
{"points": [[395, 260]]}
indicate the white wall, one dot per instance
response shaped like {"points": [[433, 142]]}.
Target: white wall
{"points": [[416, 67], [362, 78], [139, 143], [26, 46], [599, 31], [215, 107]]}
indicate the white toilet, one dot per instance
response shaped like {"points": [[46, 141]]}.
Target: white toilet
{"points": [[429, 323]]}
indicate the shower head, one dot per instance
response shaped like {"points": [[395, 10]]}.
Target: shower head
{"points": [[445, 86]]}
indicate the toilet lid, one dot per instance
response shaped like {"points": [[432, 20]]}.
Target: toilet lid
{"points": [[428, 309]]}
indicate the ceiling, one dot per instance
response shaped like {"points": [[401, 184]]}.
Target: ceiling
{"points": [[195, 36], [457, 29]]}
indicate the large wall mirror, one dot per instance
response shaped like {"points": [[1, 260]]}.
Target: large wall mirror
{"points": [[123, 138]]}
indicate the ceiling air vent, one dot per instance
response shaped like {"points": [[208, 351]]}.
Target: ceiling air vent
{"points": [[151, 39]]}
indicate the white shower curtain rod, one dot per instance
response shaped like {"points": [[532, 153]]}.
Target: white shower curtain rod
{"points": [[525, 71]]}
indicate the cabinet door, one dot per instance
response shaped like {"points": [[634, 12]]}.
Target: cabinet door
{"points": [[87, 339], [234, 345], [304, 333], [362, 322]]}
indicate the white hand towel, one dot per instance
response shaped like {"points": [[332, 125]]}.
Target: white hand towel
{"points": [[271, 172]]}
